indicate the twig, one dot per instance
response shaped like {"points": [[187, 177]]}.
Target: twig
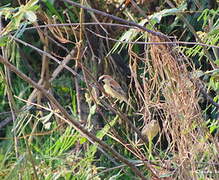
{"points": [[47, 54], [126, 42], [192, 30], [72, 121], [118, 19], [208, 97], [154, 43], [5, 122], [31, 160]]}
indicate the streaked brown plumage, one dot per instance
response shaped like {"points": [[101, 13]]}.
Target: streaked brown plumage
{"points": [[113, 89]]}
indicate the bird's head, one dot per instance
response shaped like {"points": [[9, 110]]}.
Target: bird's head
{"points": [[104, 78], [154, 123]]}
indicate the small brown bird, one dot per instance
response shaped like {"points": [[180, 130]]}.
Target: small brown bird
{"points": [[113, 89], [150, 130]]}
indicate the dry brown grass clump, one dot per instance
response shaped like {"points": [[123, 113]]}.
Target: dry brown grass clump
{"points": [[168, 92]]}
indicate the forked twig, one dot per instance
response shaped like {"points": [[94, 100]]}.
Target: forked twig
{"points": [[92, 138]]}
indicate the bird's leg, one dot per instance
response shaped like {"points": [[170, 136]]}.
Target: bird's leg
{"points": [[150, 147]]}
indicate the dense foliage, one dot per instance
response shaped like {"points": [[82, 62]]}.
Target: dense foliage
{"points": [[60, 119]]}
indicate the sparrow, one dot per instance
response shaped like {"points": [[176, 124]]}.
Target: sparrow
{"points": [[113, 89], [150, 130]]}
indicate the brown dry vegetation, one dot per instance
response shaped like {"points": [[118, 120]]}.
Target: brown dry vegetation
{"points": [[60, 110]]}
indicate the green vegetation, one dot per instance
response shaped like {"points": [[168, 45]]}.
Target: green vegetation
{"points": [[56, 120]]}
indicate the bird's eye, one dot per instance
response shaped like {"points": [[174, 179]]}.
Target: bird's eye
{"points": [[101, 81]]}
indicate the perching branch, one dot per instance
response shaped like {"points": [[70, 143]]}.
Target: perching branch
{"points": [[92, 138]]}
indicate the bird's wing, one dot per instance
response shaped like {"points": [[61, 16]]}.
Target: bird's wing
{"points": [[116, 87]]}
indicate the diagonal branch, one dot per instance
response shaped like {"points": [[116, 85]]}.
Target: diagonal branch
{"points": [[92, 138], [131, 23]]}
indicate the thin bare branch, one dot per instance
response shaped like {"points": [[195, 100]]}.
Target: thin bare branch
{"points": [[72, 121]]}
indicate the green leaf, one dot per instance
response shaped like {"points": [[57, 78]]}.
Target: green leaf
{"points": [[3, 40], [212, 128], [52, 9], [166, 12], [83, 140]]}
